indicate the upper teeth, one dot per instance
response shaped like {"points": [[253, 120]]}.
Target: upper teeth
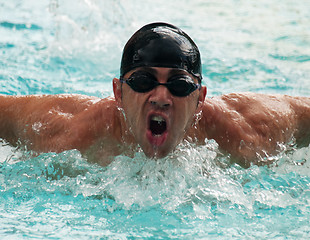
{"points": [[157, 118]]}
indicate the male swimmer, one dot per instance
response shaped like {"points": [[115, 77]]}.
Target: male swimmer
{"points": [[158, 102]]}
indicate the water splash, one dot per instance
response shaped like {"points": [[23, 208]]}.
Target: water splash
{"points": [[193, 188], [195, 193]]}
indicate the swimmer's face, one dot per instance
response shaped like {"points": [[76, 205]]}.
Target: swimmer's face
{"points": [[158, 119]]}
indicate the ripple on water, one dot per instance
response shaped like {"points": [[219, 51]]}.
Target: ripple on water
{"points": [[193, 190]]}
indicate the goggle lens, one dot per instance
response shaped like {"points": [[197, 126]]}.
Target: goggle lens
{"points": [[178, 85]]}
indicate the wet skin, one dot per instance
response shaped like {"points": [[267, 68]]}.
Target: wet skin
{"points": [[142, 109], [248, 126]]}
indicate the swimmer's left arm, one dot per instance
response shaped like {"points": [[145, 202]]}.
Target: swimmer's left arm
{"points": [[250, 126]]}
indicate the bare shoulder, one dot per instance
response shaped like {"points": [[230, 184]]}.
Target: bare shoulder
{"points": [[248, 124], [56, 122], [252, 112], [40, 103], [251, 102]]}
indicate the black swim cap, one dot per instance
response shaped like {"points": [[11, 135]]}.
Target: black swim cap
{"points": [[161, 45]]}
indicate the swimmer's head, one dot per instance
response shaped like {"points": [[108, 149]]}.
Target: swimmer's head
{"points": [[161, 45]]}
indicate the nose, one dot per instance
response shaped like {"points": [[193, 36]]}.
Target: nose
{"points": [[161, 97]]}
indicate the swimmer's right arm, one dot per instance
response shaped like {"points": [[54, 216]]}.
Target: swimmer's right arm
{"points": [[301, 106], [13, 112], [49, 122], [6, 118], [22, 117]]}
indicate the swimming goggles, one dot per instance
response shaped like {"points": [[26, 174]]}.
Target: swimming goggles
{"points": [[179, 85]]}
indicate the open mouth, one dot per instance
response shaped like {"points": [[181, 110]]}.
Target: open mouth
{"points": [[157, 125], [157, 132]]}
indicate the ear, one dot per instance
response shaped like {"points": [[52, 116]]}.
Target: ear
{"points": [[201, 98], [117, 90]]}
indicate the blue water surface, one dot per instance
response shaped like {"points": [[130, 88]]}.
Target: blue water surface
{"points": [[74, 46]]}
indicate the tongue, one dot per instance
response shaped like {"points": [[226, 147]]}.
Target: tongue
{"points": [[157, 132], [156, 140]]}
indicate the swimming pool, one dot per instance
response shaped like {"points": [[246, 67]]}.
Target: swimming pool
{"points": [[74, 46]]}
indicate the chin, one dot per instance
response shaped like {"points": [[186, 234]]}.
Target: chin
{"points": [[156, 153]]}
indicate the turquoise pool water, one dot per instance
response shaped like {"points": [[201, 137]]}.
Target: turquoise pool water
{"points": [[74, 46]]}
